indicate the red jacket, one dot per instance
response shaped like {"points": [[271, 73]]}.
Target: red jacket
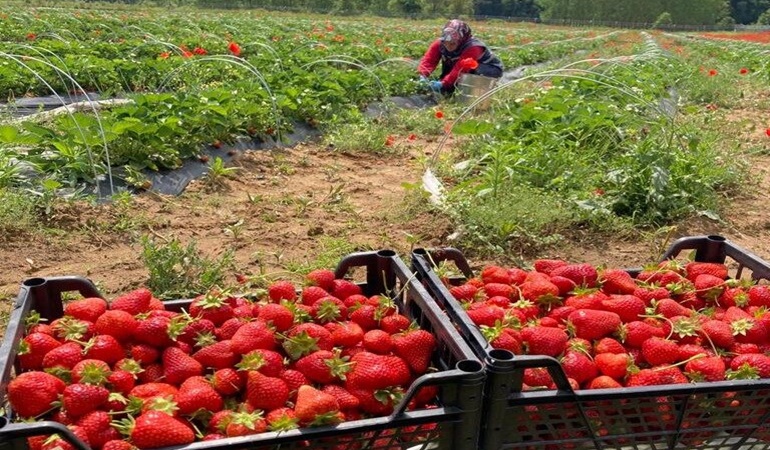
{"points": [[432, 57]]}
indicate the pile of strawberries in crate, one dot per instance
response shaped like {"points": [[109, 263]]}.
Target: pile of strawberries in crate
{"points": [[674, 322], [131, 373]]}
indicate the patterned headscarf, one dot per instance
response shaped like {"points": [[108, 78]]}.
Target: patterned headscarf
{"points": [[456, 31]]}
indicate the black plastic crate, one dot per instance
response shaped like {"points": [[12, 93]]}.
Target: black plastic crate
{"points": [[459, 375], [717, 415]]}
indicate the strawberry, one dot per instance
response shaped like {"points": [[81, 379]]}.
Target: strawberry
{"points": [[669, 308], [483, 314], [593, 324], [252, 336], [581, 274], [105, 348], [344, 288], [144, 354], [57, 443], [214, 305], [65, 356], [121, 381], [134, 302], [282, 419], [282, 290], [328, 309], [154, 331], [498, 290], [694, 269], [227, 381], [539, 291], [154, 429], [750, 366], [293, 379], [503, 338], [465, 292], [79, 399], [537, 377], [578, 366], [97, 425], [547, 341], [179, 366], [118, 444], [267, 362], [218, 355], [613, 365], [628, 307], [323, 366], [416, 348], [227, 330], [314, 407], [565, 285], [378, 341], [196, 394], [374, 372], [650, 293], [604, 382], [547, 266], [266, 393], [759, 295], [245, 424], [306, 338], [633, 334], [719, 333], [645, 377], [31, 393], [276, 315], [379, 402], [586, 299], [33, 348], [346, 334], [116, 323], [495, 274], [323, 278], [345, 399], [311, 294], [709, 368], [709, 287], [660, 351], [88, 309], [91, 371], [617, 281], [191, 331], [608, 345]]}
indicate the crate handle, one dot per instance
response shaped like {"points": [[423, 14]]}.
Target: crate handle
{"points": [[12, 431]]}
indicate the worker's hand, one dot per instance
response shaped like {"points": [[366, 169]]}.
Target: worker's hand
{"points": [[424, 80], [436, 86]]}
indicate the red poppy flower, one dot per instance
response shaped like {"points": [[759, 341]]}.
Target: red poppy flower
{"points": [[31, 36], [767, 132], [439, 114], [598, 191], [234, 48], [713, 72], [389, 141], [743, 71], [187, 54], [412, 137], [164, 55], [199, 51]]}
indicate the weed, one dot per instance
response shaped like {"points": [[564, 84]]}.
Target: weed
{"points": [[218, 173], [178, 271]]}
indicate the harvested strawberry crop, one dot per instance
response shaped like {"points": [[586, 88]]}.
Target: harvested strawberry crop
{"points": [[133, 372], [672, 322]]}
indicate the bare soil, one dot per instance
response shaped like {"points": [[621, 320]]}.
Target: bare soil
{"points": [[289, 205]]}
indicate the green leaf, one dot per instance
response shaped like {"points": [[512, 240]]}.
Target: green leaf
{"points": [[8, 133], [473, 127]]}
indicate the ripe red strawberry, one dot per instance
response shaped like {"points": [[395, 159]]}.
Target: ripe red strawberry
{"points": [[323, 278], [144, 354], [613, 365], [279, 316], [105, 348], [323, 366], [282, 290], [604, 382], [718, 332], [669, 308], [586, 299], [628, 307], [650, 293], [134, 302], [565, 285], [65, 356], [547, 266], [328, 309], [116, 323], [218, 355], [345, 399], [750, 366], [578, 366], [310, 294], [378, 341], [608, 345], [31, 393], [371, 371], [416, 348], [465, 292], [539, 291], [121, 381], [695, 268], [227, 381], [265, 393], [314, 407], [659, 351], [593, 324], [495, 274], [191, 331], [33, 348], [97, 426], [267, 362], [759, 295], [214, 305], [346, 334], [581, 274], [547, 341], [154, 429], [633, 334], [91, 371], [79, 399], [344, 288], [245, 424], [710, 287], [503, 338], [179, 366], [118, 444], [88, 309], [57, 443], [196, 394], [709, 368], [154, 331], [617, 281], [252, 336], [537, 377], [282, 419], [306, 338], [498, 290], [293, 379], [485, 314], [645, 377]]}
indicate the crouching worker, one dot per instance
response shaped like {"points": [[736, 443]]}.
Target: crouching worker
{"points": [[459, 52]]}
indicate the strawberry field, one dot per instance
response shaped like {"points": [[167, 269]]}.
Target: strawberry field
{"points": [[303, 144]]}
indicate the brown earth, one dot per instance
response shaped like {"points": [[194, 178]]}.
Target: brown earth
{"points": [[286, 207]]}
